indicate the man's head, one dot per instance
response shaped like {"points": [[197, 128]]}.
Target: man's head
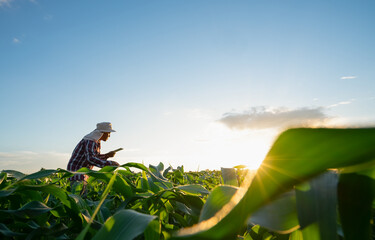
{"points": [[106, 129], [105, 136]]}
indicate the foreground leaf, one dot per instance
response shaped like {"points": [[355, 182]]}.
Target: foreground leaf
{"points": [[297, 155], [278, 216], [220, 196], [316, 204], [356, 193], [124, 225]]}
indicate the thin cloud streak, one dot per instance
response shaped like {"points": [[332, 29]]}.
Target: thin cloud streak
{"points": [[348, 77], [265, 118], [340, 103]]}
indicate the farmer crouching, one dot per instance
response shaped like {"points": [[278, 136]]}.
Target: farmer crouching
{"points": [[87, 153]]}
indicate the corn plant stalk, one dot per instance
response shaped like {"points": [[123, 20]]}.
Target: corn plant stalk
{"points": [[82, 235]]}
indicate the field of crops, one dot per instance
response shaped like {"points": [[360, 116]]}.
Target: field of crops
{"points": [[314, 184]]}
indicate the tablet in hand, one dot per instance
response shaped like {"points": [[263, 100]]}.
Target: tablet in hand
{"points": [[118, 149]]}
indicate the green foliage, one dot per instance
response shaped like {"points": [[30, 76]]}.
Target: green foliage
{"points": [[296, 156], [294, 195]]}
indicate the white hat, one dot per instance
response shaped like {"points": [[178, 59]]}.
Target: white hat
{"points": [[104, 127]]}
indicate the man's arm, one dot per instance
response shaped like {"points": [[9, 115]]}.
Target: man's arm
{"points": [[94, 158]]}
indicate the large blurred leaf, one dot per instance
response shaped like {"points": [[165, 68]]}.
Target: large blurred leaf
{"points": [[124, 225], [278, 216], [220, 196], [153, 230], [355, 197], [316, 203], [296, 235], [298, 154], [229, 176]]}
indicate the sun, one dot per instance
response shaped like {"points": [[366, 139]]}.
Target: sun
{"points": [[228, 148]]}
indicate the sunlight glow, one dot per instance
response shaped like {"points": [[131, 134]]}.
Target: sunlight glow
{"points": [[215, 147]]}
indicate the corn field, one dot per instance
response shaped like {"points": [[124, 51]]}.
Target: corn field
{"points": [[314, 184]]}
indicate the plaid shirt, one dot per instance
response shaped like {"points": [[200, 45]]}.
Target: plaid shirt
{"points": [[86, 154]]}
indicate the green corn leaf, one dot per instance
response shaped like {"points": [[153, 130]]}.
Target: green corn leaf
{"points": [[220, 196], [124, 225], [194, 189], [3, 178], [164, 183], [82, 235], [166, 171], [144, 181], [153, 230], [14, 174], [136, 165], [58, 192], [122, 187], [278, 216], [316, 204], [355, 197], [39, 174], [107, 169], [297, 155], [157, 170], [31, 209], [296, 235], [5, 231], [229, 176], [6, 193]]}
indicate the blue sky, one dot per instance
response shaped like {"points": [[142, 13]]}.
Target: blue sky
{"points": [[204, 84]]}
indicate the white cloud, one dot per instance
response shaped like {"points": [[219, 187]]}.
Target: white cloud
{"points": [[8, 2], [265, 118], [348, 77], [5, 3], [16, 40]]}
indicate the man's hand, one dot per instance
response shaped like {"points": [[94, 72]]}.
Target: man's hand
{"points": [[110, 154], [114, 163]]}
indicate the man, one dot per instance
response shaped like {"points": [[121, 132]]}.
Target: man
{"points": [[87, 152]]}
